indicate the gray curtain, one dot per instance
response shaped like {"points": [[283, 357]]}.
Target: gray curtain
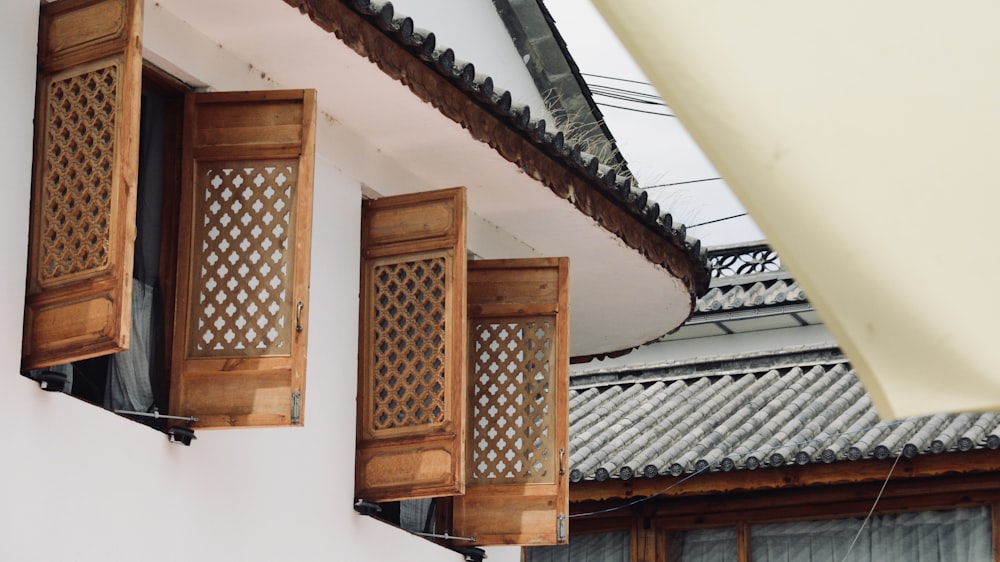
{"points": [[129, 383], [595, 547], [704, 545], [417, 515], [961, 535]]}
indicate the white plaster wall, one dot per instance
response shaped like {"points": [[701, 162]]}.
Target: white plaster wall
{"points": [[716, 346], [474, 30], [79, 483]]}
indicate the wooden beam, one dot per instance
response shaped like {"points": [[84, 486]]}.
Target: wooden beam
{"points": [[816, 474], [842, 500], [743, 542]]}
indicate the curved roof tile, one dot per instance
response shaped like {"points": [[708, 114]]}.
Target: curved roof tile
{"points": [[618, 189], [810, 413]]}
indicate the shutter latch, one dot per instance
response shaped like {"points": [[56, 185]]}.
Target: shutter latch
{"points": [[296, 406]]}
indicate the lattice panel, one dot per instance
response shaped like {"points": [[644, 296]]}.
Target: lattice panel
{"points": [[409, 330], [512, 429], [243, 264], [75, 233]]}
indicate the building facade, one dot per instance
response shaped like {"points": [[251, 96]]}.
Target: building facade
{"points": [[305, 110]]}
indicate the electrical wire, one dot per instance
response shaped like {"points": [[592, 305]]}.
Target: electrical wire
{"points": [[636, 110], [690, 226], [872, 510], [678, 183], [643, 98], [626, 95], [615, 79]]}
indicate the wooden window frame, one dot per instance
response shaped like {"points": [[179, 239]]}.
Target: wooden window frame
{"points": [[945, 488], [90, 82], [403, 452]]}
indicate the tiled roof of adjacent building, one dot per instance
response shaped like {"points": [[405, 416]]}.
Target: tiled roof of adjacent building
{"points": [[749, 289], [741, 415], [747, 276]]}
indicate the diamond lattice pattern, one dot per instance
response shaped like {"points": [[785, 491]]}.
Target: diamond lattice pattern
{"points": [[511, 405], [409, 329], [79, 149], [243, 271]]}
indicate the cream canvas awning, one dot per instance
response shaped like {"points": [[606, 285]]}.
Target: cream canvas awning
{"points": [[863, 139]]}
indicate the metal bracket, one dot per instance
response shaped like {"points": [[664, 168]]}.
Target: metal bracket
{"points": [[445, 536], [296, 406], [155, 414], [561, 528]]}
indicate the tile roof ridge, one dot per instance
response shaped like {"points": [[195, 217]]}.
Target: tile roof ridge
{"points": [[739, 363]]}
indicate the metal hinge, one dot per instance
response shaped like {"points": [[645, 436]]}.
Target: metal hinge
{"points": [[296, 406], [561, 528]]}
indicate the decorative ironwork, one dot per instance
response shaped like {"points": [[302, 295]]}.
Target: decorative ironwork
{"points": [[511, 405], [409, 328], [244, 264], [79, 145], [743, 260]]}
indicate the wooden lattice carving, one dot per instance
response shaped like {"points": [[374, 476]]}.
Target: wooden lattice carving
{"points": [[409, 330], [243, 271], [511, 401], [77, 179]]}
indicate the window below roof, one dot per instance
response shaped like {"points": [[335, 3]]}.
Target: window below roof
{"points": [[463, 379], [169, 243], [949, 535]]}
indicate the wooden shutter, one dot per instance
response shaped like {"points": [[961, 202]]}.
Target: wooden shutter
{"points": [[239, 345], [78, 297], [411, 372], [517, 484]]}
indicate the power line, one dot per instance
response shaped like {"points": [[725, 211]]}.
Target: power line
{"points": [[630, 95], [690, 226], [617, 79], [636, 110], [874, 505], [679, 183], [626, 94]]}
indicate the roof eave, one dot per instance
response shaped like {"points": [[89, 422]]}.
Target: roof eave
{"points": [[455, 90]]}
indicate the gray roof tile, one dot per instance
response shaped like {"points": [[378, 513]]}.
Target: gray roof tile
{"points": [[797, 414]]}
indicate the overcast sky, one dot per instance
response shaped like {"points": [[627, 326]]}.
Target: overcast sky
{"points": [[657, 148]]}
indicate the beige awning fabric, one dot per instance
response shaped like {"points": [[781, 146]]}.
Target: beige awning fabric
{"points": [[864, 139]]}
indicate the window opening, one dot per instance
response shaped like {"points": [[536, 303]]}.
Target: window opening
{"points": [[590, 547], [135, 382]]}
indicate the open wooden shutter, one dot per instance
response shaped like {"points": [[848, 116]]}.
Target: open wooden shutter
{"points": [[239, 345], [411, 373], [78, 297], [517, 484]]}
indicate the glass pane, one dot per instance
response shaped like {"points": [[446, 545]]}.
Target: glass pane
{"points": [[596, 547], [703, 545], [939, 536]]}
